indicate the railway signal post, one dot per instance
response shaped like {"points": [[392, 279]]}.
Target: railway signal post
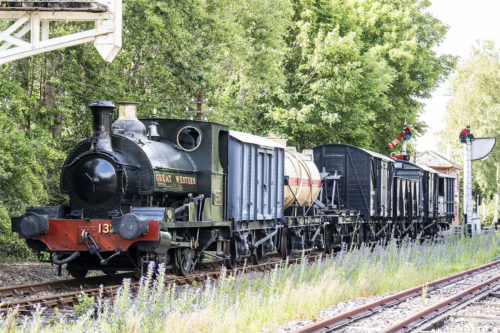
{"points": [[475, 149]]}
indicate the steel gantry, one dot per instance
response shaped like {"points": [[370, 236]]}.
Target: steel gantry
{"points": [[30, 30]]}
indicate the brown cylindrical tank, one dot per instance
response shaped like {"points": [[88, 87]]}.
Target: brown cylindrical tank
{"points": [[304, 181]]}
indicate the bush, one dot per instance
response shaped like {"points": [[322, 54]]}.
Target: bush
{"points": [[11, 247], [26, 157]]}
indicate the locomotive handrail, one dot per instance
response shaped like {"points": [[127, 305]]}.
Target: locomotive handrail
{"points": [[101, 152]]}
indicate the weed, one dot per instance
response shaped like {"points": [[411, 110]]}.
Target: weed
{"points": [[85, 304], [424, 295]]}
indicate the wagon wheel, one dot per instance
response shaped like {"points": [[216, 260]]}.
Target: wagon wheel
{"points": [[184, 258], [329, 245], [396, 232], [439, 234], [257, 252], [285, 244], [232, 260]]}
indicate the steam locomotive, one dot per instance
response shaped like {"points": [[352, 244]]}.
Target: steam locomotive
{"points": [[174, 191]]}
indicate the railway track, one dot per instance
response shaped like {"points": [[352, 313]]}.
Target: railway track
{"points": [[26, 290], [70, 299], [347, 321], [480, 313], [451, 303]]}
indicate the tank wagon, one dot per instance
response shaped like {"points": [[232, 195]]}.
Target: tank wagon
{"points": [[174, 191]]}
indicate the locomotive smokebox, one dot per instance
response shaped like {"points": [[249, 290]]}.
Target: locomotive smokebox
{"points": [[102, 115]]}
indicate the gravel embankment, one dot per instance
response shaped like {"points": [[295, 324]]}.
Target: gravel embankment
{"points": [[330, 312], [396, 313], [29, 272]]}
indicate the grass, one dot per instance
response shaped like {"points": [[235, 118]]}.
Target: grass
{"points": [[252, 303]]}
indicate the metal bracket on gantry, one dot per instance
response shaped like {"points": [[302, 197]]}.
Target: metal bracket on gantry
{"points": [[30, 33]]}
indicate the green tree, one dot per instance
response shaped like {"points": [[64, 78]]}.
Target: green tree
{"points": [[355, 70], [228, 49], [24, 161]]}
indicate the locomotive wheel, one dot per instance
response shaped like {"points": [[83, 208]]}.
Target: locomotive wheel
{"points": [[77, 273], [184, 260], [232, 260], [285, 244]]}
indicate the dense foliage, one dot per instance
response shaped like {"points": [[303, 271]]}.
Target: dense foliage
{"points": [[355, 69], [25, 161], [475, 90], [312, 71]]}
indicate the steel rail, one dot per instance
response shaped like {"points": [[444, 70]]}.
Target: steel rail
{"points": [[57, 285], [72, 298], [363, 311], [440, 320], [60, 285], [429, 313]]}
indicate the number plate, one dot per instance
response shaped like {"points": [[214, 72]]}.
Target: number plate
{"points": [[104, 228]]}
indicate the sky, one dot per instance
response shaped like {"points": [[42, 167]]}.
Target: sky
{"points": [[469, 21]]}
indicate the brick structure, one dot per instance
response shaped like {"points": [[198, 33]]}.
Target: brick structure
{"points": [[442, 164]]}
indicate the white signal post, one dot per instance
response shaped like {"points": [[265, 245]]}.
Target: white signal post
{"points": [[469, 219], [475, 149], [34, 17]]}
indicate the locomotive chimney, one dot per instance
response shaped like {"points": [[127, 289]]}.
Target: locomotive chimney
{"points": [[102, 115]]}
